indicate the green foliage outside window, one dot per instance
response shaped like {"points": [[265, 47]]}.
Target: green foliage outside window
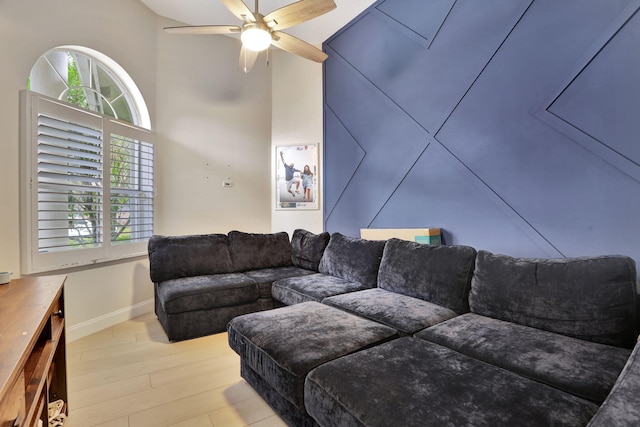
{"points": [[76, 94]]}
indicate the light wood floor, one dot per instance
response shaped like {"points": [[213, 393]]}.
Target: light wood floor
{"points": [[130, 376]]}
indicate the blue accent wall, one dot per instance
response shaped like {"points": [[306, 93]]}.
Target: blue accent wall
{"points": [[513, 125]]}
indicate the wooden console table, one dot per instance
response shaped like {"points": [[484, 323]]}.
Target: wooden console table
{"points": [[33, 370]]}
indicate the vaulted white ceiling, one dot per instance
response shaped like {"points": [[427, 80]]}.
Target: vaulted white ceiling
{"points": [[213, 12]]}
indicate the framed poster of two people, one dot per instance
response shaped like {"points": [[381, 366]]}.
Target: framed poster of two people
{"points": [[297, 177]]}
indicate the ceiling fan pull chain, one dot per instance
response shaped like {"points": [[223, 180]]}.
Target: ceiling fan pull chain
{"points": [[245, 62], [267, 60]]}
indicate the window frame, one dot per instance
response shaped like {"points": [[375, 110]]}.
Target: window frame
{"points": [[32, 260]]}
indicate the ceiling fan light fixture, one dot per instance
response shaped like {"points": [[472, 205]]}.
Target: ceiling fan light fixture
{"points": [[255, 37], [258, 31]]}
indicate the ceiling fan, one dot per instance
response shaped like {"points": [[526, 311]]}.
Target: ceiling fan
{"points": [[258, 31]]}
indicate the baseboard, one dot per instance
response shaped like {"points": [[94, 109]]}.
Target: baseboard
{"points": [[89, 327]]}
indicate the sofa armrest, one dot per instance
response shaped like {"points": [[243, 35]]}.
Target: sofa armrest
{"points": [[622, 405]]}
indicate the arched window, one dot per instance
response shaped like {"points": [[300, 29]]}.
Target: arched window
{"points": [[90, 80], [86, 143]]}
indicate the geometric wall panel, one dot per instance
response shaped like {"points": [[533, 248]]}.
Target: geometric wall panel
{"points": [[480, 218], [412, 74], [512, 125], [427, 23], [390, 146], [346, 159], [596, 102]]}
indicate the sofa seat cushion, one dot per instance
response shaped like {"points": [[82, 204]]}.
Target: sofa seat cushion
{"points": [[314, 287], [352, 259], [410, 382], [284, 344], [579, 367], [591, 298], [406, 314], [254, 251], [266, 276], [205, 292], [307, 248], [439, 274]]}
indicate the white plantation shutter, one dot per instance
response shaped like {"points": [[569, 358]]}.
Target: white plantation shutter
{"points": [[131, 190], [86, 189], [69, 184]]}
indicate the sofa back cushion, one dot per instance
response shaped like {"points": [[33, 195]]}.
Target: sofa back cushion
{"points": [[307, 248], [173, 257], [591, 298], [438, 274], [251, 251], [353, 259]]}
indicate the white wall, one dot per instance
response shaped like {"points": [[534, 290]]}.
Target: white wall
{"points": [[297, 119], [212, 122]]}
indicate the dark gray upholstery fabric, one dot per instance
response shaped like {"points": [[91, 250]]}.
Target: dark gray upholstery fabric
{"points": [[266, 276], [439, 274], [622, 406], [193, 324], [409, 382], [404, 313], [307, 248], [589, 298], [173, 257], [250, 251], [290, 414], [204, 292], [314, 287], [284, 344], [352, 259], [583, 368]]}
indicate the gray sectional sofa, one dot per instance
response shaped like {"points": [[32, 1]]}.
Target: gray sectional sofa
{"points": [[378, 333], [203, 281]]}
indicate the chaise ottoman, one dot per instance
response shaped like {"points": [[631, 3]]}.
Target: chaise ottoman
{"points": [[279, 347], [410, 382]]}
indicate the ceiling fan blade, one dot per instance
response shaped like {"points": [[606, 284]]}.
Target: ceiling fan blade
{"points": [[247, 59], [298, 47], [204, 29], [298, 12], [239, 9]]}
